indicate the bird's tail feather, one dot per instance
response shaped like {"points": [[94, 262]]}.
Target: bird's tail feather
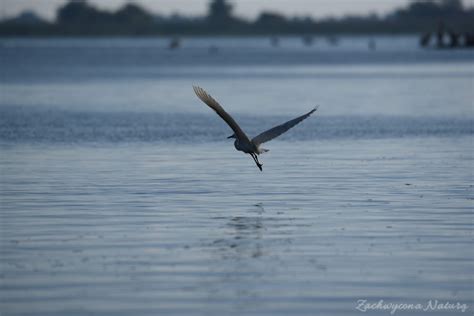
{"points": [[262, 150]]}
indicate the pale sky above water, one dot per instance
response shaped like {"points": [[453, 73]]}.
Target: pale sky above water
{"points": [[244, 8]]}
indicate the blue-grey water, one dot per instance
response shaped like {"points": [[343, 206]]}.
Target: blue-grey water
{"points": [[120, 194]]}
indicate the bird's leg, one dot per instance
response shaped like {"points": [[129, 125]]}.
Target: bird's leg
{"points": [[259, 165], [255, 158]]}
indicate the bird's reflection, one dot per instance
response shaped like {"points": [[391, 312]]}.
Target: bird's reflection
{"points": [[245, 237], [246, 254], [240, 254], [260, 209]]}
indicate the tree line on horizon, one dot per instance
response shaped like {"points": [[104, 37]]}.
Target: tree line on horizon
{"points": [[80, 18]]}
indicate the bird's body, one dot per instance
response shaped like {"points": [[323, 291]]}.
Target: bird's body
{"points": [[248, 147], [242, 141]]}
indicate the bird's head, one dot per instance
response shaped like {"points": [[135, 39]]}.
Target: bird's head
{"points": [[231, 136]]}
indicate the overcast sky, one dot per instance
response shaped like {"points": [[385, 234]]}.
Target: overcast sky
{"points": [[244, 8]]}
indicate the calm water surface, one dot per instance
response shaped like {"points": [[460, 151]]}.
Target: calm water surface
{"points": [[119, 194]]}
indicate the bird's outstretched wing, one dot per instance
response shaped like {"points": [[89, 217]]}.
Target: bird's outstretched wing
{"points": [[213, 104], [280, 129]]}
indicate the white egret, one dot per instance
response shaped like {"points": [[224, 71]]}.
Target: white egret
{"points": [[242, 141]]}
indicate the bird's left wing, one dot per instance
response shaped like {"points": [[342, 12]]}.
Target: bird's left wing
{"points": [[280, 129], [213, 104]]}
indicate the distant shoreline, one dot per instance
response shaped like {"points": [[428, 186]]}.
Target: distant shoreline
{"points": [[81, 19], [169, 36]]}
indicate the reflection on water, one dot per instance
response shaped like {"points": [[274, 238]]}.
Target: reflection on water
{"points": [[244, 240], [239, 253]]}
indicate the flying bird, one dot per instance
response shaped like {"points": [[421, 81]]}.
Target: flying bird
{"points": [[242, 141]]}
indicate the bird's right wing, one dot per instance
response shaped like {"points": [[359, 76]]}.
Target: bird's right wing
{"points": [[280, 129], [213, 104]]}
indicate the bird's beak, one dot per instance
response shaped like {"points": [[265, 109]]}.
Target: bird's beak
{"points": [[231, 136]]}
